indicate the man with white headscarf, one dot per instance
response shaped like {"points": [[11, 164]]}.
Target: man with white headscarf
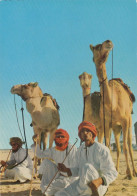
{"points": [[20, 166], [94, 166]]}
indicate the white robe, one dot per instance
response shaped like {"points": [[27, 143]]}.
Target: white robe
{"points": [[23, 171], [48, 168], [91, 164]]}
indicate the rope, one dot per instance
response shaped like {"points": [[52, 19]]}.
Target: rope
{"points": [[33, 169], [58, 170], [18, 119], [4, 167], [104, 115], [112, 90], [83, 115], [25, 140]]}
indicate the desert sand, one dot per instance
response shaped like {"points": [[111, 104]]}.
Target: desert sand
{"points": [[120, 187]]}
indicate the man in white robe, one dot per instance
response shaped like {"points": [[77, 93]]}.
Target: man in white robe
{"points": [[23, 164], [94, 166], [53, 156]]}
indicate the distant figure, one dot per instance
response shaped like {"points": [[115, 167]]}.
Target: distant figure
{"points": [[135, 129], [22, 172]]}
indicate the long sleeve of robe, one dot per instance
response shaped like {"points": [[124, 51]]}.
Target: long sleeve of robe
{"points": [[48, 168], [99, 156], [56, 155]]}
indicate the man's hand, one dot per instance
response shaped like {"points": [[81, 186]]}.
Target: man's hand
{"points": [[94, 184], [63, 168], [3, 163], [35, 138]]}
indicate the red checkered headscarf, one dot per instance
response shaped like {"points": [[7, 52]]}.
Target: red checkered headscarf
{"points": [[87, 125], [61, 143]]}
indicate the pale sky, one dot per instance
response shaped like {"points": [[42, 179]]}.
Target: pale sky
{"points": [[48, 41]]}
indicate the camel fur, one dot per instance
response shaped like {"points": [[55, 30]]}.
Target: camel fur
{"points": [[118, 104], [91, 101], [42, 108]]}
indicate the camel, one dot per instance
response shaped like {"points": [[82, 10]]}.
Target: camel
{"points": [[91, 102], [118, 103], [43, 110]]}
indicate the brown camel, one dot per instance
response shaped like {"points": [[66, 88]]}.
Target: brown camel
{"points": [[91, 102], [118, 103], [42, 108]]}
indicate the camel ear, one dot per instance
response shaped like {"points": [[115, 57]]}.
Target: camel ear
{"points": [[91, 47], [35, 84], [90, 76], [80, 76]]}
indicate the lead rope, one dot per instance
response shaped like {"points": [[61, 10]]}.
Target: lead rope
{"points": [[33, 169], [112, 91], [25, 139], [58, 170], [17, 118], [104, 115], [4, 167]]}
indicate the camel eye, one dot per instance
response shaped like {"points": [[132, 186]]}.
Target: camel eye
{"points": [[25, 86]]}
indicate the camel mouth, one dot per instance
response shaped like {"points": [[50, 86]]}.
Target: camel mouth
{"points": [[109, 47]]}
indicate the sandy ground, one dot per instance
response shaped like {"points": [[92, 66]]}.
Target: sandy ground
{"points": [[120, 187]]}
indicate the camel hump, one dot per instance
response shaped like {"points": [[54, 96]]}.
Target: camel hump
{"points": [[53, 100], [95, 100], [127, 88]]}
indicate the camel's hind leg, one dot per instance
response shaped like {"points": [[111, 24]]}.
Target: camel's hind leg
{"points": [[130, 147], [125, 129], [117, 132]]}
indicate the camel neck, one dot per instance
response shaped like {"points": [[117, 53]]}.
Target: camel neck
{"points": [[103, 81], [101, 72], [86, 91]]}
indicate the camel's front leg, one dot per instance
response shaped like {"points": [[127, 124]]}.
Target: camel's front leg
{"points": [[107, 134], [117, 132], [51, 138], [38, 132], [45, 139], [100, 134]]}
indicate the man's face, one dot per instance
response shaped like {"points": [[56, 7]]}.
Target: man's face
{"points": [[14, 146], [59, 136], [87, 137]]}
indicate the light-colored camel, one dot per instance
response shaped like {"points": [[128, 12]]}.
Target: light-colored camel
{"points": [[42, 108], [118, 103], [91, 102], [91, 111]]}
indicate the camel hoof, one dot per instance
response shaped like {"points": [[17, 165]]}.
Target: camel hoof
{"points": [[129, 177], [135, 174]]}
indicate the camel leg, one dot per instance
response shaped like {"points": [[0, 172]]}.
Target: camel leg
{"points": [[117, 132], [100, 135], [51, 138], [45, 139], [38, 132], [130, 147], [107, 134], [126, 149]]}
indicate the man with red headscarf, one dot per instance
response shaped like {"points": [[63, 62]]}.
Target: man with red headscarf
{"points": [[53, 156], [94, 166]]}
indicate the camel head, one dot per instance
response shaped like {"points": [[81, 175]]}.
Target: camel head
{"points": [[85, 80], [101, 52], [26, 91]]}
